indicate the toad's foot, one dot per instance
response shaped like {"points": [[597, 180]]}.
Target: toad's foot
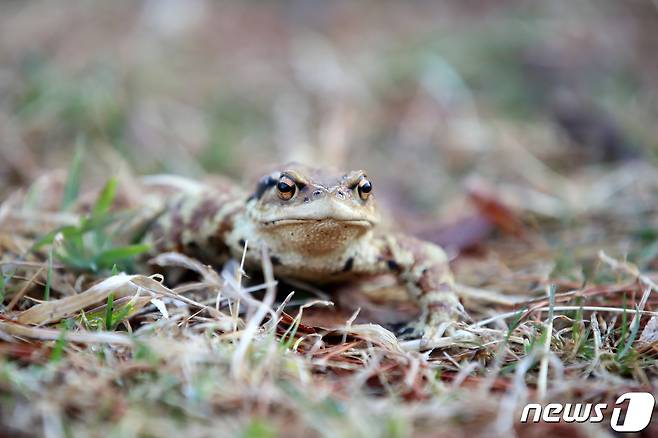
{"points": [[441, 311]]}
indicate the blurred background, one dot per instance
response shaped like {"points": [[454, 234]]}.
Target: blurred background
{"points": [[422, 94]]}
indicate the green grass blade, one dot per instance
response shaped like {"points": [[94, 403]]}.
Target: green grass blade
{"points": [[74, 262], [288, 337], [58, 350], [121, 253], [551, 301], [120, 315], [100, 212], [624, 320], [105, 199], [515, 323], [72, 187], [49, 238], [631, 336], [108, 312]]}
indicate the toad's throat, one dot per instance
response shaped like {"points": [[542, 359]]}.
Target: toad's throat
{"points": [[313, 237]]}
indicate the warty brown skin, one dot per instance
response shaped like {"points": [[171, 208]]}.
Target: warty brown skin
{"points": [[318, 225]]}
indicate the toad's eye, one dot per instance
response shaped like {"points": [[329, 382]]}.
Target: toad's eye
{"points": [[286, 188], [364, 187]]}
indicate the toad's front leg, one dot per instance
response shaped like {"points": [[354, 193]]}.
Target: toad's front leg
{"points": [[423, 269]]}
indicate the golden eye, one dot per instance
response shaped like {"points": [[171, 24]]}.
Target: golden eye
{"points": [[364, 187], [286, 188]]}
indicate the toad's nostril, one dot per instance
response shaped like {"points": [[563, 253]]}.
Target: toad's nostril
{"points": [[340, 194], [317, 193]]}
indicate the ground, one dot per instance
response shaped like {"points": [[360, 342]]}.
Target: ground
{"points": [[520, 136]]}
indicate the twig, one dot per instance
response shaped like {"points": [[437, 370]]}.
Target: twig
{"points": [[629, 269], [254, 322], [557, 308], [542, 379], [23, 290], [46, 334]]}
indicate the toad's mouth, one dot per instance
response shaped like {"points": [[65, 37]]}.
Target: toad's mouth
{"points": [[325, 220]]}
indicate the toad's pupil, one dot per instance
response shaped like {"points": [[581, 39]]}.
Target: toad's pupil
{"points": [[366, 187], [284, 187]]}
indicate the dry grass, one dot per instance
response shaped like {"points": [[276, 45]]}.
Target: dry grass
{"points": [[553, 232], [125, 354]]}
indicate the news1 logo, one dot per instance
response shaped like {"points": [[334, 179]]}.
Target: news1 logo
{"points": [[638, 413]]}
